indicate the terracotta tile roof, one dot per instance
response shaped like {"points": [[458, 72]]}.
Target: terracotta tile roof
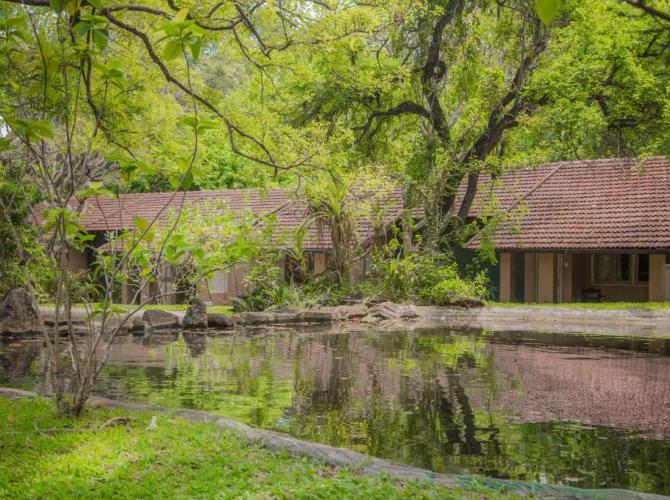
{"points": [[102, 213], [106, 214], [595, 204], [318, 234]]}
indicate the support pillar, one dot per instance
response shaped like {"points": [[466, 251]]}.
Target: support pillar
{"points": [[530, 277], [507, 277], [546, 278], [566, 278], [657, 278]]}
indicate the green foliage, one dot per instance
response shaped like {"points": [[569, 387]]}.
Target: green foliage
{"points": [[603, 88], [428, 278], [20, 201], [96, 27], [182, 34]]}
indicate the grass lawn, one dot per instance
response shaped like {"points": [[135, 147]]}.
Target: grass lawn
{"points": [[44, 456], [588, 305]]}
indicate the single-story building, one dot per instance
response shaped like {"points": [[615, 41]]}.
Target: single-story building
{"points": [[102, 216], [596, 230]]}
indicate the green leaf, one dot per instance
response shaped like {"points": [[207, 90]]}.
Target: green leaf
{"points": [[202, 124], [72, 6], [172, 50], [5, 144], [100, 38], [196, 46], [95, 3], [546, 10], [31, 130], [141, 223], [81, 28], [170, 30], [181, 15], [127, 171], [57, 5], [188, 121], [206, 124]]}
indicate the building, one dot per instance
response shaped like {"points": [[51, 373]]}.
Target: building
{"points": [[595, 230], [102, 216]]}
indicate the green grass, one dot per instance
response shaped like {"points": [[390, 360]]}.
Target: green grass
{"points": [[182, 307], [588, 305], [45, 456]]}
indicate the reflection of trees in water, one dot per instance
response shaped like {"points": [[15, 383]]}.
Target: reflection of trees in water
{"points": [[389, 394], [429, 399]]}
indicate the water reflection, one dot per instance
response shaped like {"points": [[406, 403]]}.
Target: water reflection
{"points": [[580, 410]]}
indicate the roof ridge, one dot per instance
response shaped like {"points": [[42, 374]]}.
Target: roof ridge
{"points": [[537, 186]]}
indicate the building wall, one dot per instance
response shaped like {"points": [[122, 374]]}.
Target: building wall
{"points": [[319, 263], [76, 260], [552, 277], [566, 263]]}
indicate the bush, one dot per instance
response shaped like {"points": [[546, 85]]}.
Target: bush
{"points": [[270, 290], [420, 278], [424, 278]]}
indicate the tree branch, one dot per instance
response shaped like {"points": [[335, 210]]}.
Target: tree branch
{"points": [[406, 107], [655, 13]]}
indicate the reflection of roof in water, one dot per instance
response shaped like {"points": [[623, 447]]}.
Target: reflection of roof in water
{"points": [[593, 386]]}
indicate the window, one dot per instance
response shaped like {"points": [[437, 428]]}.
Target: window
{"points": [[643, 268], [613, 268]]}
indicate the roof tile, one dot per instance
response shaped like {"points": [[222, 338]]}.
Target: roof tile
{"points": [[595, 204]]}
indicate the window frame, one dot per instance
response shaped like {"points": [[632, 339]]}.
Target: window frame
{"points": [[634, 266]]}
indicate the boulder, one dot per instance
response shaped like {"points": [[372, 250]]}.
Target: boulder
{"points": [[252, 318], [155, 319], [196, 315], [19, 313], [467, 303], [290, 316], [370, 319], [391, 310], [215, 320], [347, 312], [136, 325], [317, 316], [283, 317]]}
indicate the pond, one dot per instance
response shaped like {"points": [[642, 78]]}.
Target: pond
{"points": [[580, 410]]}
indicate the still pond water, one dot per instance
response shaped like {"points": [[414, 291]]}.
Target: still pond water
{"points": [[588, 411]]}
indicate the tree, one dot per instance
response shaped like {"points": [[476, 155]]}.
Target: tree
{"points": [[438, 82], [602, 89], [65, 97]]}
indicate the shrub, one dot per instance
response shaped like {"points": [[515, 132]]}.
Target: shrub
{"points": [[424, 278]]}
